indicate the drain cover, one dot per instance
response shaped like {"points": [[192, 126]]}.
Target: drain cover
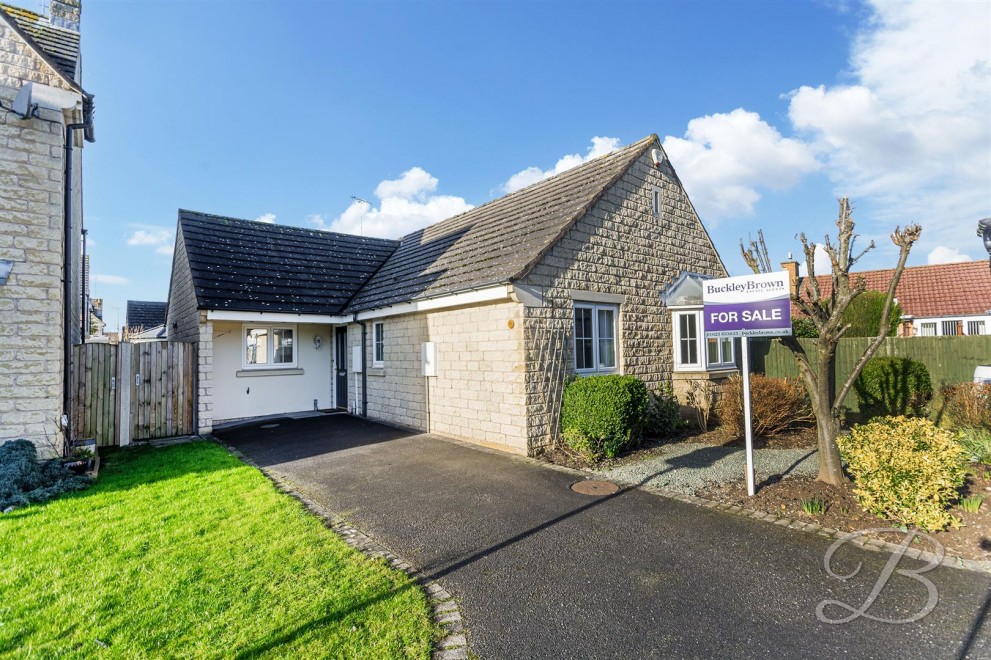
{"points": [[594, 487], [268, 426]]}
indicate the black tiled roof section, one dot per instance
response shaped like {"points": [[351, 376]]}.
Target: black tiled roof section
{"points": [[251, 266], [145, 314], [497, 242], [61, 45]]}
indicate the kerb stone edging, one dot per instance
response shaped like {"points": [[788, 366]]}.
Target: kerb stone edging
{"points": [[444, 609], [875, 545]]}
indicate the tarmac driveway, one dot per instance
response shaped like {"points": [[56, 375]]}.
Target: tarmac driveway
{"points": [[543, 572]]}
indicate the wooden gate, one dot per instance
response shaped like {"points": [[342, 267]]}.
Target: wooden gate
{"points": [[133, 391]]}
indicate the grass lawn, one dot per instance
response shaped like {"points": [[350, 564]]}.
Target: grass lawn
{"points": [[186, 551]]}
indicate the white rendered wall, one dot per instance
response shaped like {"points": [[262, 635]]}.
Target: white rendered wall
{"points": [[237, 396]]}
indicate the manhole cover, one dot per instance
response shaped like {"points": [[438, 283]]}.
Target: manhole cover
{"points": [[594, 487], [268, 426]]}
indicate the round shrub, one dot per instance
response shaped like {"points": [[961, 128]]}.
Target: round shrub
{"points": [[893, 386], [905, 469], [26, 480], [601, 415], [776, 405]]}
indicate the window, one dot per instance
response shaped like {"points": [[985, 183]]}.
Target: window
{"points": [[719, 351], [927, 329], [950, 327], [975, 327], [595, 338], [267, 345], [378, 336], [655, 201]]}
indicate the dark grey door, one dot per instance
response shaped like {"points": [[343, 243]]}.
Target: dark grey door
{"points": [[341, 366]]}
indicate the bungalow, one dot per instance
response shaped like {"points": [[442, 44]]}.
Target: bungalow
{"points": [[939, 300], [466, 328], [144, 321]]}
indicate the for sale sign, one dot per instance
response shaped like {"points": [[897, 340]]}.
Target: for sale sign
{"points": [[747, 306]]}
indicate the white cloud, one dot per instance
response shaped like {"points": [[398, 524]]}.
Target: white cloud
{"points": [[725, 159], [405, 205], [267, 218], [115, 280], [820, 260], [600, 147], [946, 255], [153, 237], [911, 134]]}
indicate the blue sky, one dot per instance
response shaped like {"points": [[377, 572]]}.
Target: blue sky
{"points": [[769, 110]]}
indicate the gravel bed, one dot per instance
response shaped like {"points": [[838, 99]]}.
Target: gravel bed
{"points": [[688, 466]]}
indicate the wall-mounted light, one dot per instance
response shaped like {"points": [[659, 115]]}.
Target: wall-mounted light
{"points": [[6, 265], [317, 341]]}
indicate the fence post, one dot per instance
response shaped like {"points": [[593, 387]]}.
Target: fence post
{"points": [[124, 390]]}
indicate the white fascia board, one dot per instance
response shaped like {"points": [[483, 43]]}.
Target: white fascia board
{"points": [[273, 317], [478, 296]]}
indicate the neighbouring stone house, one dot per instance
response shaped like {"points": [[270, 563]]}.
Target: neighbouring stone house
{"points": [[466, 328], [41, 215], [144, 321], [938, 300]]}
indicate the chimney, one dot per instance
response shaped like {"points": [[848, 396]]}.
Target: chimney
{"points": [[791, 267], [66, 13]]}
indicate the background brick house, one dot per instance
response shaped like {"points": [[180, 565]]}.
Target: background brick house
{"points": [[466, 328]]}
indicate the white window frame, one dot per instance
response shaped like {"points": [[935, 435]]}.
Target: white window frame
{"points": [[954, 323], [928, 329], [378, 341], [701, 345], [979, 326], [597, 369], [270, 348]]}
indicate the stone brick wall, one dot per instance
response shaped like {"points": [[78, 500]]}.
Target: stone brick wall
{"points": [[182, 319], [31, 209], [478, 393], [204, 375], [623, 252]]}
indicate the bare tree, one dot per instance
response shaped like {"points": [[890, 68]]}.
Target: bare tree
{"points": [[826, 312]]}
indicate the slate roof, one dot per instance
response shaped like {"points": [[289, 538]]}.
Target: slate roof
{"points": [[59, 44], [930, 291], [252, 266], [146, 314], [497, 242]]}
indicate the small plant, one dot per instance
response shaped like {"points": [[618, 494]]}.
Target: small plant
{"points": [[25, 480], [663, 412], [893, 386], [968, 405], [844, 510], [700, 398], [971, 504], [906, 469], [977, 445], [814, 506], [601, 415], [777, 404]]}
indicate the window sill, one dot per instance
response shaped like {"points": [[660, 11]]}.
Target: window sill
{"points": [[252, 373], [376, 371]]}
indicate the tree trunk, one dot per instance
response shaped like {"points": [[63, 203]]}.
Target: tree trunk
{"points": [[827, 425]]}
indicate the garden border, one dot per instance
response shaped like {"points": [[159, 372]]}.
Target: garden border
{"points": [[444, 609]]}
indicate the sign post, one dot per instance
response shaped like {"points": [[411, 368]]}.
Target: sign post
{"points": [[745, 307]]}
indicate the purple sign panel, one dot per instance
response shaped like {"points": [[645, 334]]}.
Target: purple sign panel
{"points": [[748, 306]]}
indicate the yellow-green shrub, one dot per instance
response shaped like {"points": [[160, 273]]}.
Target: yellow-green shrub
{"points": [[905, 469]]}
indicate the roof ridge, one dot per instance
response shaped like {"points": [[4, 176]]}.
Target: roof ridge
{"points": [[265, 226], [981, 262]]}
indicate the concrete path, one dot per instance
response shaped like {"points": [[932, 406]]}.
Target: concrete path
{"points": [[542, 572]]}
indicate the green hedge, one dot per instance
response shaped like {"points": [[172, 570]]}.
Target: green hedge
{"points": [[601, 415], [893, 386]]}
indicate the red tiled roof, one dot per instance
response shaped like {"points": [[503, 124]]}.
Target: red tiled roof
{"points": [[927, 291]]}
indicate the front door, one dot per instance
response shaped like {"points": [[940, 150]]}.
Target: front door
{"points": [[341, 366]]}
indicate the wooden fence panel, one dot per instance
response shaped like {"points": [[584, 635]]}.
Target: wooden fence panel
{"points": [[949, 359], [161, 382], [94, 393]]}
